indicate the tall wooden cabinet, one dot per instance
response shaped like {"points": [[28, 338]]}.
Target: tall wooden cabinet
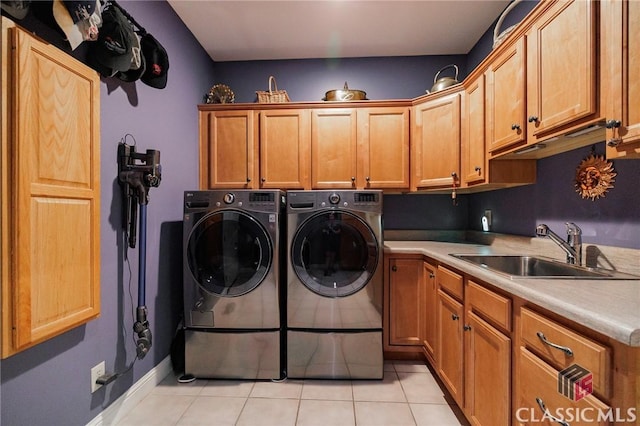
{"points": [[50, 191], [621, 83]]}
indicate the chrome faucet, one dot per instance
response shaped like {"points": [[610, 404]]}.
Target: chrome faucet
{"points": [[573, 245]]}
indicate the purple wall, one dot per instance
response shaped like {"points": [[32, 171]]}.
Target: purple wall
{"points": [[49, 383]]}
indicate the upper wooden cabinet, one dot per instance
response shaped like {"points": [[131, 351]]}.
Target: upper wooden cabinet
{"points": [[364, 148], [228, 149], [50, 169], [334, 146], [506, 95], [285, 148], [621, 80], [542, 84], [435, 142], [474, 162], [562, 68], [383, 148], [315, 147]]}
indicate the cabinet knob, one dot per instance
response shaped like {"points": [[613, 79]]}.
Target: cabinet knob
{"points": [[248, 179], [515, 127], [394, 268], [455, 317], [467, 327], [533, 118], [432, 275], [613, 124], [353, 178], [367, 178], [614, 142], [263, 180], [477, 169]]}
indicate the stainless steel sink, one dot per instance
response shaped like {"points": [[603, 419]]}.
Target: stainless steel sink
{"points": [[540, 267]]}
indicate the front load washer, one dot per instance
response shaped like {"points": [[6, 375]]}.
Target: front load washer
{"points": [[334, 289], [232, 292]]}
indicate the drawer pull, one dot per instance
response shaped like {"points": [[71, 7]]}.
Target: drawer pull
{"points": [[564, 349], [548, 415], [455, 317]]}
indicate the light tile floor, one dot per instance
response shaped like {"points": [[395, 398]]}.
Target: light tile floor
{"points": [[408, 395]]}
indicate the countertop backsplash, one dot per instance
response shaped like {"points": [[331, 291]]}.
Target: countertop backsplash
{"points": [[608, 257]]}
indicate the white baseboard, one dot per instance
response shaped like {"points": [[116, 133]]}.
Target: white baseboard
{"points": [[127, 401]]}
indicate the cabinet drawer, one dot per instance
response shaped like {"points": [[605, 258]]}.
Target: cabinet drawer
{"points": [[490, 305], [450, 282], [562, 347], [538, 390]]}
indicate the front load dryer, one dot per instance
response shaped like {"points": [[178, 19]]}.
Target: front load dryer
{"points": [[334, 290], [232, 299]]}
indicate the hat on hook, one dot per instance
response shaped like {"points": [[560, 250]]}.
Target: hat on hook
{"points": [[17, 9], [78, 19], [137, 67], [156, 62], [113, 51]]}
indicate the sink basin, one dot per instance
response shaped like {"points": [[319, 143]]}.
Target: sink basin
{"points": [[540, 267]]}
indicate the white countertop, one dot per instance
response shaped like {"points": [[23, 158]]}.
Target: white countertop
{"points": [[610, 307]]}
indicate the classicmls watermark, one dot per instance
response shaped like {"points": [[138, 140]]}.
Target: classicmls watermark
{"points": [[575, 383]]}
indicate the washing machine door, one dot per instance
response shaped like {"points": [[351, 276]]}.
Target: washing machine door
{"points": [[334, 253], [229, 253]]}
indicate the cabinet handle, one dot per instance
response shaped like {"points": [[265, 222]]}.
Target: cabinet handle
{"points": [[547, 413], [263, 180], [613, 124], [533, 118], [564, 349], [367, 179], [432, 275], [515, 127], [248, 179], [614, 142], [394, 268], [467, 327], [477, 169], [455, 317], [353, 178]]}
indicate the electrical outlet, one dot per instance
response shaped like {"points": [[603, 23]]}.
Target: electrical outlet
{"points": [[487, 214], [96, 372]]}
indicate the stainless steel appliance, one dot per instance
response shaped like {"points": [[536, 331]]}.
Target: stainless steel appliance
{"points": [[232, 298], [334, 290]]}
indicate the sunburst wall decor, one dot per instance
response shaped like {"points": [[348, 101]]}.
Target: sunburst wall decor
{"points": [[594, 177]]}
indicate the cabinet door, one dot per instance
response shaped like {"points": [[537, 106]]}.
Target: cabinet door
{"points": [[450, 345], [405, 302], [621, 48], [285, 149], [383, 148], [333, 148], [429, 304], [55, 194], [473, 133], [436, 143], [487, 373], [506, 95], [227, 149], [561, 67]]}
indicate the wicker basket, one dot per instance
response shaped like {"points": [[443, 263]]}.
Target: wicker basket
{"points": [[499, 38], [273, 96]]}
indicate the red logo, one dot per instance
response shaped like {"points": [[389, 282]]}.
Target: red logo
{"points": [[156, 69]]}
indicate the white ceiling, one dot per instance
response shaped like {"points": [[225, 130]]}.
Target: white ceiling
{"points": [[241, 30]]}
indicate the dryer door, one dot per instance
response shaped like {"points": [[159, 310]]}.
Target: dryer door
{"points": [[229, 253], [334, 253]]}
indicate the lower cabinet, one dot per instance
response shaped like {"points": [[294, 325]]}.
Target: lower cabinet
{"points": [[403, 307], [450, 343], [503, 360], [487, 356]]}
